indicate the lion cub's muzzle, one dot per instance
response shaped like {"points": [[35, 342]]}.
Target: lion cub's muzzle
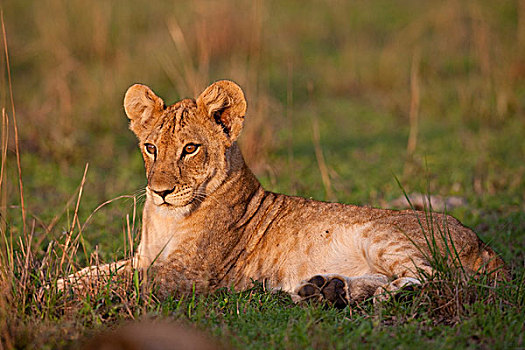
{"points": [[177, 196]]}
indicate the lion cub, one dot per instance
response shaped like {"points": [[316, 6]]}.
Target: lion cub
{"points": [[208, 223]]}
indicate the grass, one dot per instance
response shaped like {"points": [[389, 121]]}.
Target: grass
{"points": [[335, 91]]}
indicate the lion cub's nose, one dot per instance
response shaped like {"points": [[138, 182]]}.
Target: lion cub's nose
{"points": [[164, 193]]}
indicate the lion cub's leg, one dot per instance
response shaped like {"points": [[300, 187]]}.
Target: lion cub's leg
{"points": [[91, 273], [341, 291]]}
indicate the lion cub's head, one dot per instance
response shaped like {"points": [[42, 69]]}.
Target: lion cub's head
{"points": [[188, 146]]}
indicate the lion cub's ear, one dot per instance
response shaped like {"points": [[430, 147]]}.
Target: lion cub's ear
{"points": [[142, 107], [224, 102]]}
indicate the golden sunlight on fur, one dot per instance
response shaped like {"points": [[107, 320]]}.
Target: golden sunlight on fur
{"points": [[208, 223]]}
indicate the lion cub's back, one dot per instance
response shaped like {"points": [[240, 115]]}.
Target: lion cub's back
{"points": [[353, 240]]}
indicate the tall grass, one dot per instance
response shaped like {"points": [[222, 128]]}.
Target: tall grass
{"points": [[448, 289]]}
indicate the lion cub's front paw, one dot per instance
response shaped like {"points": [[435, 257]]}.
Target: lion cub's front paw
{"points": [[330, 288]]}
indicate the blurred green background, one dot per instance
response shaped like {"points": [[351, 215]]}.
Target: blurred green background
{"points": [[350, 80]]}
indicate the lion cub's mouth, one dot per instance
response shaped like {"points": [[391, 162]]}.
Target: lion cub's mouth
{"points": [[177, 198]]}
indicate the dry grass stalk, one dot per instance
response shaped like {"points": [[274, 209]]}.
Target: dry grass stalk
{"points": [[79, 237], [188, 77], [321, 162], [3, 190], [7, 255], [75, 219], [414, 104], [290, 125], [17, 147], [4, 271]]}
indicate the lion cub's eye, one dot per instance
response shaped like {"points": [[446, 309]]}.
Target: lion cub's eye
{"points": [[190, 148], [151, 149]]}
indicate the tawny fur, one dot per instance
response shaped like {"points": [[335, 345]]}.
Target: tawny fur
{"points": [[208, 223]]}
